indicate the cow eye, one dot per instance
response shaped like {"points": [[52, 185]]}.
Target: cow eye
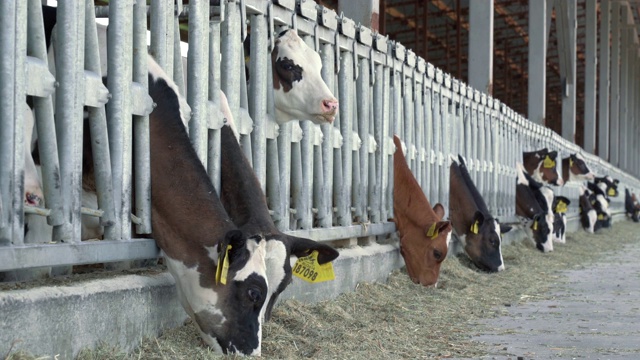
{"points": [[287, 66], [255, 295], [437, 254]]}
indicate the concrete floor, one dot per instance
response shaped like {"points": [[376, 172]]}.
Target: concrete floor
{"points": [[593, 314]]}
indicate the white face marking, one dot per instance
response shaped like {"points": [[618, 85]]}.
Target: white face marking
{"points": [[305, 98], [603, 187], [449, 240], [537, 174], [497, 230], [604, 203], [256, 263]]}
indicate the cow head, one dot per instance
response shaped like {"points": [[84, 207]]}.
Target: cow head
{"points": [[299, 91], [588, 215], [608, 185], [542, 232], [483, 242], [424, 237], [574, 168], [541, 165]]}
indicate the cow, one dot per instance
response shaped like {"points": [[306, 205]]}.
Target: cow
{"points": [[299, 91], [246, 204], [199, 239], [608, 185], [529, 206], [541, 165], [478, 231], [631, 206], [588, 215], [424, 236], [560, 204], [600, 202], [575, 169]]}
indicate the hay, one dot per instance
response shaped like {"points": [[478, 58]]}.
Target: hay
{"points": [[399, 319]]}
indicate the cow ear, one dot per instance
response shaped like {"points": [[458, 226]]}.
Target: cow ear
{"points": [[504, 228], [302, 247], [439, 210], [443, 226], [478, 220], [553, 154]]}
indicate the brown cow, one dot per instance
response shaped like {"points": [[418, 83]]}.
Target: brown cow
{"points": [[541, 165], [574, 168], [424, 237]]}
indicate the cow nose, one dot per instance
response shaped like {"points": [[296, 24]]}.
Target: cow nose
{"points": [[329, 105]]}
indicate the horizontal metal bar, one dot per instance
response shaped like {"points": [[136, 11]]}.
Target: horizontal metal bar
{"points": [[86, 252], [345, 232]]}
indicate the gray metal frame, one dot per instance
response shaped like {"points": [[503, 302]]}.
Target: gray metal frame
{"points": [[328, 182]]}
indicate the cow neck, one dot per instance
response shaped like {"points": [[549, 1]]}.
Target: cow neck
{"points": [[187, 214], [566, 169], [407, 193], [241, 192], [462, 205]]}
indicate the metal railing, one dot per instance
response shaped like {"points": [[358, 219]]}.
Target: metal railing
{"points": [[328, 182]]}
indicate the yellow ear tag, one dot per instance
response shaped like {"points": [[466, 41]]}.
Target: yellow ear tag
{"points": [[561, 208], [432, 232], [548, 163], [308, 269], [223, 267], [535, 225], [570, 163], [474, 227], [612, 192], [600, 217]]}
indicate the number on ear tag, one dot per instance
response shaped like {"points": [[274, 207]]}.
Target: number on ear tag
{"points": [[308, 269], [561, 208], [223, 266], [432, 232], [535, 225], [548, 163], [474, 227]]}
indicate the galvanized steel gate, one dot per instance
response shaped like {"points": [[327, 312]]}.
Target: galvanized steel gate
{"points": [[329, 182]]}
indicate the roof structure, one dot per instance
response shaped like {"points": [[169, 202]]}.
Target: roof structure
{"points": [[438, 31]]}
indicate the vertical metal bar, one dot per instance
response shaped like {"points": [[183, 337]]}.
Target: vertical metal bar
{"points": [[375, 196], [419, 129], [624, 91], [569, 102], [591, 61], [141, 140], [537, 60], [119, 44], [179, 60], [614, 119], [213, 156], [159, 47], [437, 120], [603, 81], [197, 70], [69, 52], [481, 45], [345, 84], [325, 203], [428, 135], [258, 69], [386, 205], [97, 124], [43, 111], [363, 87], [306, 149], [231, 65]]}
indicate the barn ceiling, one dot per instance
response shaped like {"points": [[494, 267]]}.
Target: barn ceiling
{"points": [[438, 30]]}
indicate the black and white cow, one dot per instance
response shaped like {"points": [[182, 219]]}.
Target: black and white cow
{"points": [[560, 204], [631, 206], [588, 215], [600, 202], [300, 93], [475, 227], [529, 206]]}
